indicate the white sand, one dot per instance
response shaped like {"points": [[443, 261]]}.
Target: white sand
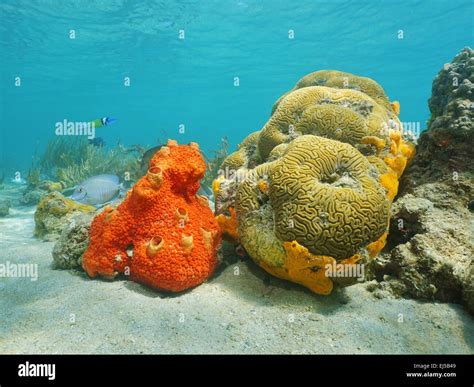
{"points": [[244, 312]]}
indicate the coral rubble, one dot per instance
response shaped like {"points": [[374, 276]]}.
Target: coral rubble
{"points": [[73, 242], [32, 197], [163, 234], [54, 212]]}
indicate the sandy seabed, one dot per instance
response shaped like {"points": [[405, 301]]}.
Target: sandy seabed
{"points": [[241, 309]]}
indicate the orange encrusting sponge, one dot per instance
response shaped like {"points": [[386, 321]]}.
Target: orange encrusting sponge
{"points": [[163, 234], [401, 153], [229, 226]]}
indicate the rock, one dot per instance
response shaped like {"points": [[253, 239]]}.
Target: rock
{"points": [[388, 288], [468, 290], [73, 241], [55, 212], [453, 86], [32, 197], [445, 149], [406, 218], [429, 252], [4, 207]]}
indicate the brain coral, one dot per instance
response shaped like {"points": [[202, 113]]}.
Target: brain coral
{"points": [[320, 174], [350, 212], [345, 115], [163, 234], [339, 105], [245, 155], [341, 80]]}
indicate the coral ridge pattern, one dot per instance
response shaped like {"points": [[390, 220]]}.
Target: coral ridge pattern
{"points": [[314, 186]]}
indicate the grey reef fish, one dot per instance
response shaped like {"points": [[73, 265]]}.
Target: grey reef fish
{"points": [[97, 190]]}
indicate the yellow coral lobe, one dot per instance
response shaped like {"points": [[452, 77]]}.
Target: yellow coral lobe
{"points": [[351, 260], [397, 164], [305, 268], [395, 107], [376, 247], [263, 186], [228, 225], [377, 142], [395, 136], [216, 185], [389, 181], [407, 150]]}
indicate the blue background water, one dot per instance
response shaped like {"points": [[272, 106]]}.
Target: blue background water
{"points": [[191, 81]]}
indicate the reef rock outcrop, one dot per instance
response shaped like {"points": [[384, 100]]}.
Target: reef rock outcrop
{"points": [[32, 197], [51, 186], [430, 244], [163, 234], [73, 242], [54, 212], [314, 185], [445, 148]]}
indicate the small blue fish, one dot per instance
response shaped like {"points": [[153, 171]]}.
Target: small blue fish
{"points": [[104, 121], [97, 190]]}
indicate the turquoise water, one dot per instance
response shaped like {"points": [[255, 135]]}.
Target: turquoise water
{"points": [[190, 81]]}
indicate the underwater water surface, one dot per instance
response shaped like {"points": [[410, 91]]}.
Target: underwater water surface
{"points": [[73, 58], [218, 267]]}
